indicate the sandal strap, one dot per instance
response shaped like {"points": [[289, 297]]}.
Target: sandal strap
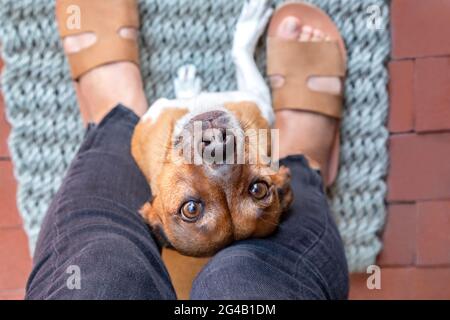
{"points": [[297, 62], [104, 19]]}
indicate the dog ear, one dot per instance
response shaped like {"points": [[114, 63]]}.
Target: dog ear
{"points": [[282, 180], [137, 147], [150, 215]]}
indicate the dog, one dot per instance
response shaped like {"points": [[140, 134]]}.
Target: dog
{"points": [[200, 207]]}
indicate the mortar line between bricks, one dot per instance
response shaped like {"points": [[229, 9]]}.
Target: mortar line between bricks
{"points": [[402, 59], [433, 200], [423, 133], [413, 266], [420, 57], [417, 201], [392, 133], [400, 202], [430, 132]]}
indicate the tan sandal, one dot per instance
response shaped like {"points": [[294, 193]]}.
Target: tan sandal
{"points": [[105, 19], [299, 61]]}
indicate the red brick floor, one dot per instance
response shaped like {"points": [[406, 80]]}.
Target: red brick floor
{"points": [[415, 261], [15, 261]]}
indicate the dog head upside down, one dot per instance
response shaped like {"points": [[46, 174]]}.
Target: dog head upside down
{"points": [[200, 208]]}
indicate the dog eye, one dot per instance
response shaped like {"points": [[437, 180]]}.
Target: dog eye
{"points": [[259, 190], [191, 211]]}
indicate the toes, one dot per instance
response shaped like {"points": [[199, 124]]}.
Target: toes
{"points": [[290, 28], [317, 35], [306, 33]]}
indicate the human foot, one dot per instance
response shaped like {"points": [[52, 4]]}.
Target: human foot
{"points": [[103, 54], [304, 132], [103, 87]]}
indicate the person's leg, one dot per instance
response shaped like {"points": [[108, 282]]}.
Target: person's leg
{"points": [[93, 229], [304, 259]]}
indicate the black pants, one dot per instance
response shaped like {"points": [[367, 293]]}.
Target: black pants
{"points": [[93, 232]]}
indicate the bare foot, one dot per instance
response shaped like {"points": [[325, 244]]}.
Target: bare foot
{"points": [[303, 132], [102, 88]]}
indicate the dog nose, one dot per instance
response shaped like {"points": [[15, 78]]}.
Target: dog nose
{"points": [[216, 143], [219, 144], [216, 137]]}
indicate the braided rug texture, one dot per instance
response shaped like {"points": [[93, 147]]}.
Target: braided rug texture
{"points": [[46, 126]]}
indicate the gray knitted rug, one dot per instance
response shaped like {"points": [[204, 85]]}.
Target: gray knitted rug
{"points": [[46, 126]]}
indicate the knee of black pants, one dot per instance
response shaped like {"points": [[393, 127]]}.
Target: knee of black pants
{"points": [[258, 269], [303, 259], [108, 268], [93, 223], [246, 271]]}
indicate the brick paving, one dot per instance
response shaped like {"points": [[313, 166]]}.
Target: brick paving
{"points": [[415, 259]]}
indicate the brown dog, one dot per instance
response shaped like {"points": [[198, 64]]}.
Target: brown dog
{"points": [[200, 207]]}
